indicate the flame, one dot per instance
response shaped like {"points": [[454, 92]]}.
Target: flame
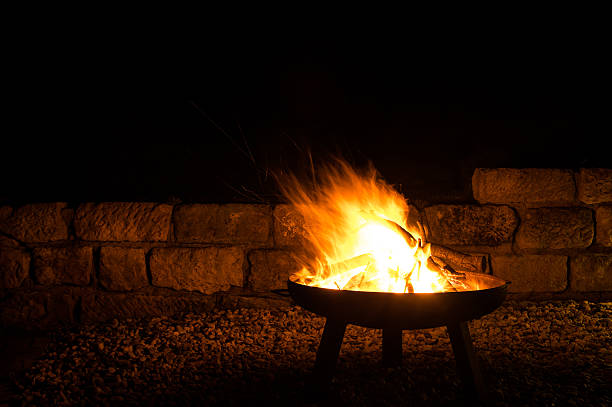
{"points": [[356, 228]]}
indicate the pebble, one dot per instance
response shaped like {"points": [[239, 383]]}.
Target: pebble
{"points": [[531, 354]]}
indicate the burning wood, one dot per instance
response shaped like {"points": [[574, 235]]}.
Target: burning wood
{"points": [[362, 238], [457, 260], [365, 280], [345, 270], [350, 264], [412, 242], [445, 259], [437, 264], [360, 272], [448, 273]]}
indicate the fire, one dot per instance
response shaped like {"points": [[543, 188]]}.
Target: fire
{"points": [[359, 235]]}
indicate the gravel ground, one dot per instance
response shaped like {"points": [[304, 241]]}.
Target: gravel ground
{"points": [[540, 354]]}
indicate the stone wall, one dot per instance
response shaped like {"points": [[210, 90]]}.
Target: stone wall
{"points": [[549, 231], [558, 239]]}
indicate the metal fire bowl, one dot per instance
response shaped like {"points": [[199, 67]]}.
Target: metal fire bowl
{"points": [[404, 311]]}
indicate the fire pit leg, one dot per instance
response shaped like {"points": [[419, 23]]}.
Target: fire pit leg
{"points": [[392, 347], [327, 356], [467, 363]]}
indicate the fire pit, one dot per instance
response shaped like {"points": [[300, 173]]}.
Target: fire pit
{"points": [[393, 312], [366, 263]]}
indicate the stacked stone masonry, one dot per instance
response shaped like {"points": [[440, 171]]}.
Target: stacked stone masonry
{"points": [[549, 231]]}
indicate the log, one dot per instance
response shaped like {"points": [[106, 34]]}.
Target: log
{"points": [[437, 264], [458, 261], [446, 272], [355, 282], [349, 264], [342, 267], [450, 259], [412, 242]]}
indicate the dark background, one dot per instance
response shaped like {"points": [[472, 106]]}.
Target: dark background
{"points": [[92, 121]]}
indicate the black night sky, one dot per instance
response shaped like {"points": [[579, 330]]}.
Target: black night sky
{"points": [[104, 123]]}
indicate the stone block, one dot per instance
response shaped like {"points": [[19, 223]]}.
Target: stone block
{"points": [[556, 228], [471, 224], [594, 185], [270, 269], [231, 223], [603, 220], [591, 272], [35, 223], [290, 229], [14, 267], [39, 309], [532, 273], [530, 186], [206, 270], [122, 269], [6, 241], [63, 265], [123, 221], [23, 309], [61, 306]]}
